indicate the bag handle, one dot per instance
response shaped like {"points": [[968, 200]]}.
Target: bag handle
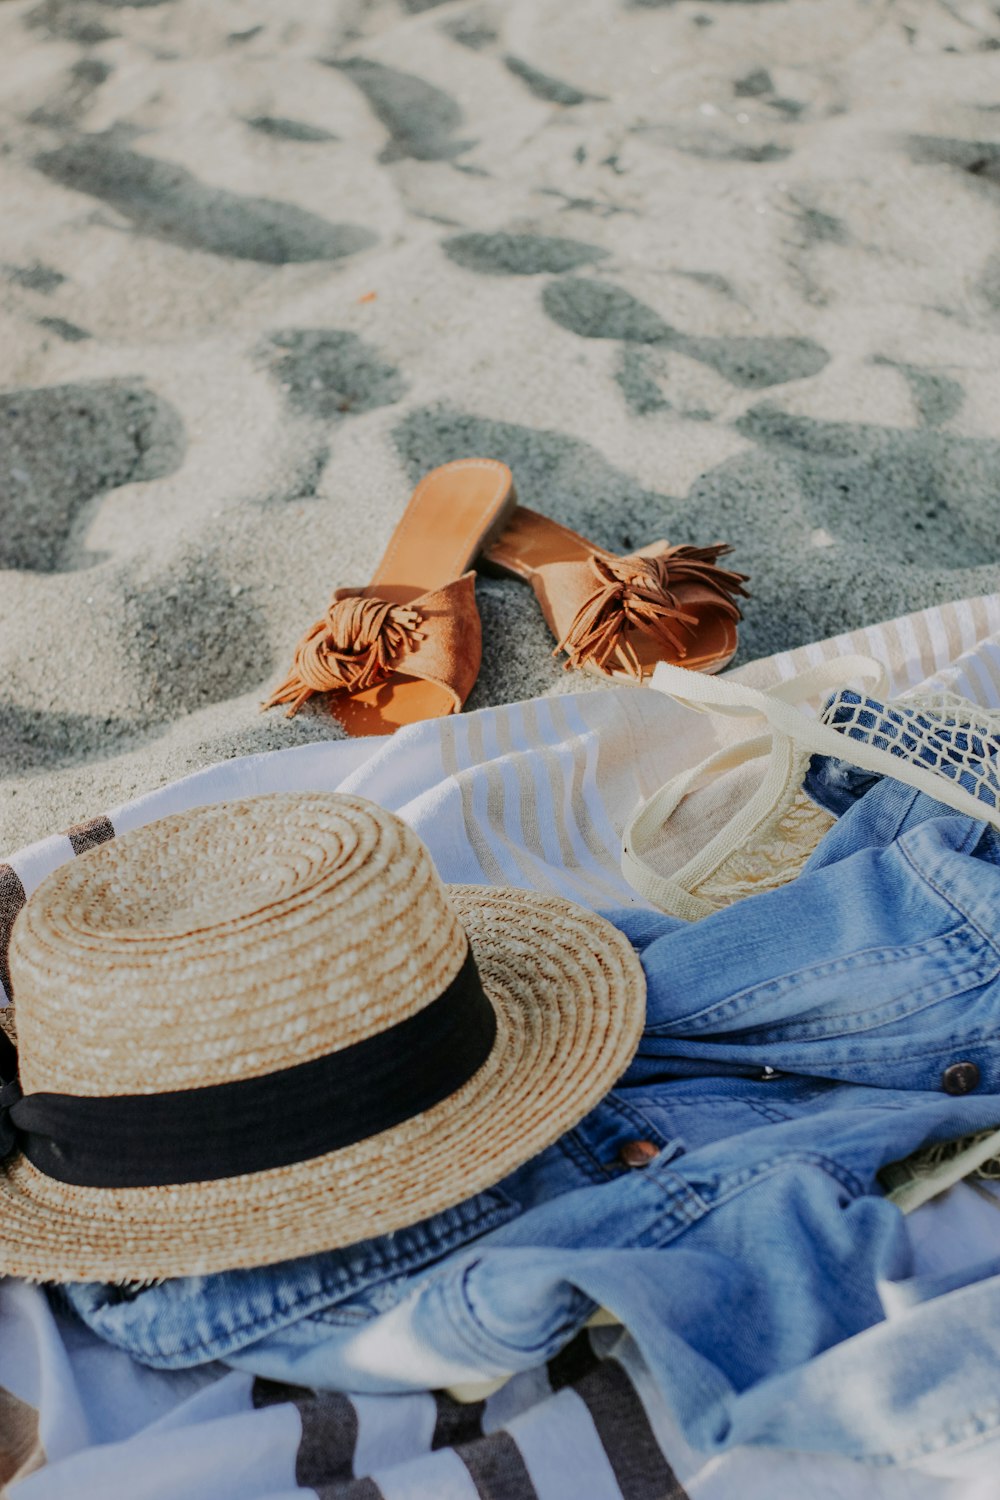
{"points": [[669, 893], [792, 735], [724, 696]]}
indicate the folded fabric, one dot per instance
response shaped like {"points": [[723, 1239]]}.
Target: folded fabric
{"points": [[723, 1201]]}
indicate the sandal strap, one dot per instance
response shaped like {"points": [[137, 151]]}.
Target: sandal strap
{"points": [[662, 591], [363, 640], [450, 648]]}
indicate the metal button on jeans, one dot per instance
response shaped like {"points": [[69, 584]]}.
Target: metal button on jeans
{"points": [[637, 1153], [960, 1078]]}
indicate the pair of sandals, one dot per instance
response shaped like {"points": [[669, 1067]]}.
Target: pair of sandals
{"points": [[408, 646]]}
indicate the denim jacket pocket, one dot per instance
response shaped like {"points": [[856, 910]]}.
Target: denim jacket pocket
{"points": [[873, 990], [193, 1320]]}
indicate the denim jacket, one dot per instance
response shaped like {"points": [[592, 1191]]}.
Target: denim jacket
{"points": [[795, 1043]]}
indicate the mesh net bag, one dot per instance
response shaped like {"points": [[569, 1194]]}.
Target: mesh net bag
{"points": [[946, 735]]}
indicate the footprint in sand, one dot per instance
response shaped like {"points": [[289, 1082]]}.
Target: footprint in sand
{"points": [[64, 445], [70, 333], [503, 254], [597, 310], [328, 372], [36, 739], [35, 278], [69, 21], [420, 118], [980, 159], [192, 637], [283, 129], [544, 86], [166, 200], [920, 498]]}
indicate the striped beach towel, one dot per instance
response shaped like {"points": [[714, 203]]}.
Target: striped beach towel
{"points": [[533, 795]]}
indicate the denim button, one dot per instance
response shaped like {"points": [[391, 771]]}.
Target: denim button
{"points": [[960, 1078], [637, 1153]]}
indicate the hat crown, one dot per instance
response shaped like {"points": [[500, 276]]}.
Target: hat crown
{"points": [[227, 942]]}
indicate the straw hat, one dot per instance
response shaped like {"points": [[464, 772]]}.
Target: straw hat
{"points": [[254, 1031]]}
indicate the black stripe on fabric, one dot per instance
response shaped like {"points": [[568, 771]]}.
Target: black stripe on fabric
{"points": [[573, 1362], [329, 1438], [12, 898], [354, 1489], [639, 1464], [273, 1392], [329, 1430], [84, 836], [255, 1124], [456, 1421], [497, 1469]]}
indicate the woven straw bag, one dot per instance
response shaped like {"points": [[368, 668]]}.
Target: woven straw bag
{"points": [[936, 743]]}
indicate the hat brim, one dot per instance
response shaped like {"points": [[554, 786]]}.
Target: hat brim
{"points": [[569, 994]]}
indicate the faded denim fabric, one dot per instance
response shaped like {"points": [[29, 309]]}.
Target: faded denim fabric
{"points": [[795, 1043]]}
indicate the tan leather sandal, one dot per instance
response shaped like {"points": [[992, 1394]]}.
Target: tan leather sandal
{"points": [[408, 646], [619, 616]]}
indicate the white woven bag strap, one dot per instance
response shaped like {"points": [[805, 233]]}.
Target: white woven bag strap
{"points": [[673, 893], [792, 733], [722, 695]]}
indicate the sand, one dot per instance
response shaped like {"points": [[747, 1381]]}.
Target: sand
{"points": [[699, 269]]}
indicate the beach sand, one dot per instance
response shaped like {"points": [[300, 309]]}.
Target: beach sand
{"points": [[698, 269]]}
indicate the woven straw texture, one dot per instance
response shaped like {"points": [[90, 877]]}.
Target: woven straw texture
{"points": [[939, 743], [246, 937]]}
